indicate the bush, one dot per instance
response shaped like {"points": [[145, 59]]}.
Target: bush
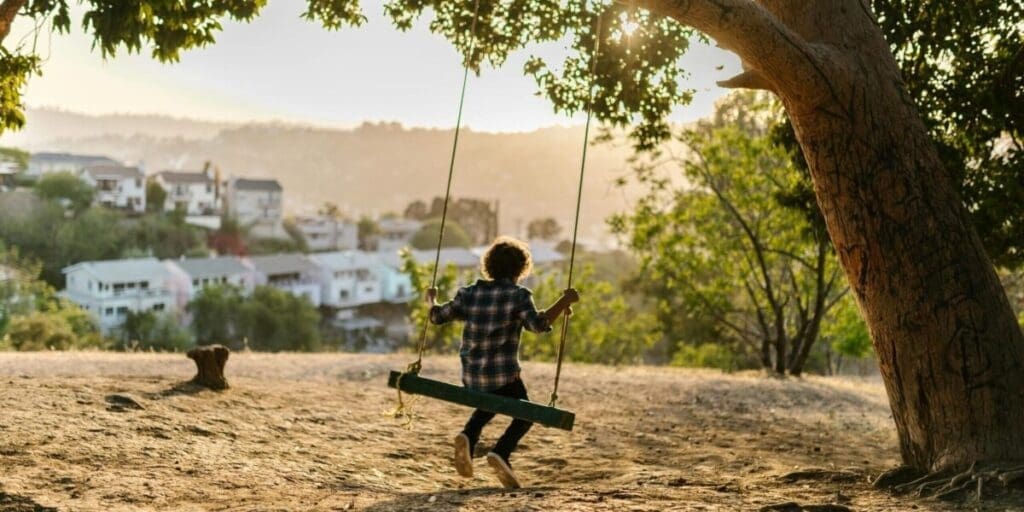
{"points": [[271, 319], [454, 236], [705, 355], [66, 186], [48, 331], [605, 327], [147, 330]]}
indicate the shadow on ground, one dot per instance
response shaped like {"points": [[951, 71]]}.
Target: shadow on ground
{"points": [[15, 503], [451, 500]]}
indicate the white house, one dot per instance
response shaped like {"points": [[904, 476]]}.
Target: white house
{"points": [[328, 234], [117, 186], [348, 279], [195, 193], [395, 234], [293, 273], [396, 286], [191, 275], [110, 289], [257, 205], [40, 164]]}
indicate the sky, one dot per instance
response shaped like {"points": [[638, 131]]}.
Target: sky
{"points": [[283, 68]]}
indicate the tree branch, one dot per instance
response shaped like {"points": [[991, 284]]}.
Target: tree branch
{"points": [[747, 80], [783, 58], [8, 10]]}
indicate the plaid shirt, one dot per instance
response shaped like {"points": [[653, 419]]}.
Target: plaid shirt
{"points": [[495, 313]]}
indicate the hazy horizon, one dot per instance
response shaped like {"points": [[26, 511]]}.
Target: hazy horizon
{"points": [[281, 68]]}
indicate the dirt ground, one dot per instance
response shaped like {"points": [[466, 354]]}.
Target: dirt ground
{"points": [[308, 432]]}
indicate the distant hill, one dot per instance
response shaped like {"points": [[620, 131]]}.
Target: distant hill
{"points": [[374, 168]]}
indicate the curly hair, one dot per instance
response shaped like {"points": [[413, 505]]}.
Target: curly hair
{"points": [[506, 258]]}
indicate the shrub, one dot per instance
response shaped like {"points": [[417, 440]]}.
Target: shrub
{"points": [[705, 355]]}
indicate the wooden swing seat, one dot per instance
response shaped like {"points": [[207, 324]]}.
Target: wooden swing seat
{"points": [[521, 409]]}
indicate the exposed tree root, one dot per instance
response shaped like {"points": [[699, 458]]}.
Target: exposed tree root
{"points": [[977, 482], [822, 475]]}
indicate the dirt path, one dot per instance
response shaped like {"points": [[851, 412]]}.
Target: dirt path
{"points": [[306, 432]]}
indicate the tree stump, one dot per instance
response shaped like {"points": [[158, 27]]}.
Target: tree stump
{"points": [[210, 361]]}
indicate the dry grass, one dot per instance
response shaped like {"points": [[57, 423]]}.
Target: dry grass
{"points": [[306, 432]]}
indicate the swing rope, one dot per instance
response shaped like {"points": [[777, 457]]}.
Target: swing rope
{"points": [[416, 366], [402, 409], [579, 200]]}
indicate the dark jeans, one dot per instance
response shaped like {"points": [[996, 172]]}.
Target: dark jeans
{"points": [[510, 439]]}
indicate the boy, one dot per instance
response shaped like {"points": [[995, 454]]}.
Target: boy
{"points": [[495, 310]]}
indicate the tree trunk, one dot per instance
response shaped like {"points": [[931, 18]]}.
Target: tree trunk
{"points": [[210, 361], [8, 11], [949, 348]]}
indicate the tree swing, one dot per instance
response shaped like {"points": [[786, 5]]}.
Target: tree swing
{"points": [[410, 381]]}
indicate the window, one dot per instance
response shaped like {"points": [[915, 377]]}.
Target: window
{"points": [[144, 285], [343, 294], [122, 311], [158, 306], [108, 312], [195, 283], [138, 182]]}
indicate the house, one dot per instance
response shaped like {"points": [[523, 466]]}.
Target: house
{"points": [[256, 205], [195, 193], [328, 234], [293, 273], [544, 254], [108, 290], [394, 234], [396, 285], [348, 279], [191, 275], [117, 186], [41, 164]]}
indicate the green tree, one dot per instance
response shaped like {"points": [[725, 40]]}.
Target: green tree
{"points": [[163, 236], [149, 330], [543, 229], [18, 156], [298, 239], [454, 235], [439, 338], [719, 246], [846, 333], [605, 327], [368, 230], [40, 331], [156, 196], [892, 210], [33, 316], [274, 320], [66, 186], [216, 315]]}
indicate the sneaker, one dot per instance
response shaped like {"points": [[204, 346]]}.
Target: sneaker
{"points": [[463, 456], [502, 468]]}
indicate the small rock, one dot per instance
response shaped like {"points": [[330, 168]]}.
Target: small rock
{"points": [[432, 499]]}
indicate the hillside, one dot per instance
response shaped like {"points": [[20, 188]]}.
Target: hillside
{"points": [[308, 432], [373, 168]]}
